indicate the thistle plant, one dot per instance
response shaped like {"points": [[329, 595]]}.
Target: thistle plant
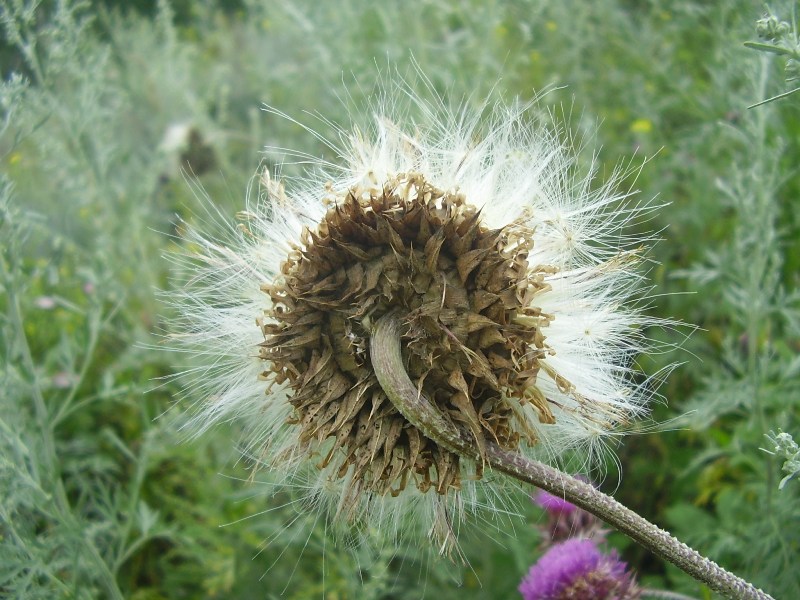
{"points": [[506, 278]]}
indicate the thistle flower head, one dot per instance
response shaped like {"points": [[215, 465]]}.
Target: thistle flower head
{"points": [[512, 273], [577, 569]]}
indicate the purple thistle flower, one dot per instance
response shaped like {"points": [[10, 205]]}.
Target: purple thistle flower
{"points": [[577, 570]]}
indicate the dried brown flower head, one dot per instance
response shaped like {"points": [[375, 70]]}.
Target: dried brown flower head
{"points": [[474, 335], [511, 274]]}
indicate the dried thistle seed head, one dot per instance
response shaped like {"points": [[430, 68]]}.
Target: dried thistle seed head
{"points": [[404, 245], [513, 273]]}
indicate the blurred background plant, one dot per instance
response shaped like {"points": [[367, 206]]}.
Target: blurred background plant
{"points": [[105, 103], [779, 37]]}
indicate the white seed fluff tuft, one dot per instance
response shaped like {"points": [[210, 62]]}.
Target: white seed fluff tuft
{"points": [[516, 170]]}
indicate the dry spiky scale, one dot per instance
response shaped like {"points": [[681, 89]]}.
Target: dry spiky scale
{"points": [[473, 340]]}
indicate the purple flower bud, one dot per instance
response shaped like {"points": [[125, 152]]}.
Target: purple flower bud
{"points": [[578, 570], [553, 504], [565, 520]]}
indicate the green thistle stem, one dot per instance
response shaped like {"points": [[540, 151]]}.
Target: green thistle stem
{"points": [[387, 361]]}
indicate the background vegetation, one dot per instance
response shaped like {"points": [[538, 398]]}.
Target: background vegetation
{"points": [[99, 497]]}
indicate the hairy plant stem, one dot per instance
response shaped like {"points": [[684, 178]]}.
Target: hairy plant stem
{"points": [[387, 361]]}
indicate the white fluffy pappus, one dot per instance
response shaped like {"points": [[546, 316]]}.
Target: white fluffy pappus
{"points": [[515, 169]]}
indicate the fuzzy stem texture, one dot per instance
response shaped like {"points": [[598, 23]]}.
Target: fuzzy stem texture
{"points": [[387, 362]]}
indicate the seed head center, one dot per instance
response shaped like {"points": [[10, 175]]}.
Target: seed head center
{"points": [[473, 338]]}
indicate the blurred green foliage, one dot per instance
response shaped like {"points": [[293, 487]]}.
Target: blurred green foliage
{"points": [[101, 495]]}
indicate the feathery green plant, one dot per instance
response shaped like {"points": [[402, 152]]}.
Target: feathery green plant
{"points": [[779, 37], [101, 495]]}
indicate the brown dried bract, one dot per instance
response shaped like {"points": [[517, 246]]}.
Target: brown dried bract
{"points": [[411, 247]]}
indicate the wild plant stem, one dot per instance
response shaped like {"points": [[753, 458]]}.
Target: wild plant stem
{"points": [[387, 362], [758, 319]]}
